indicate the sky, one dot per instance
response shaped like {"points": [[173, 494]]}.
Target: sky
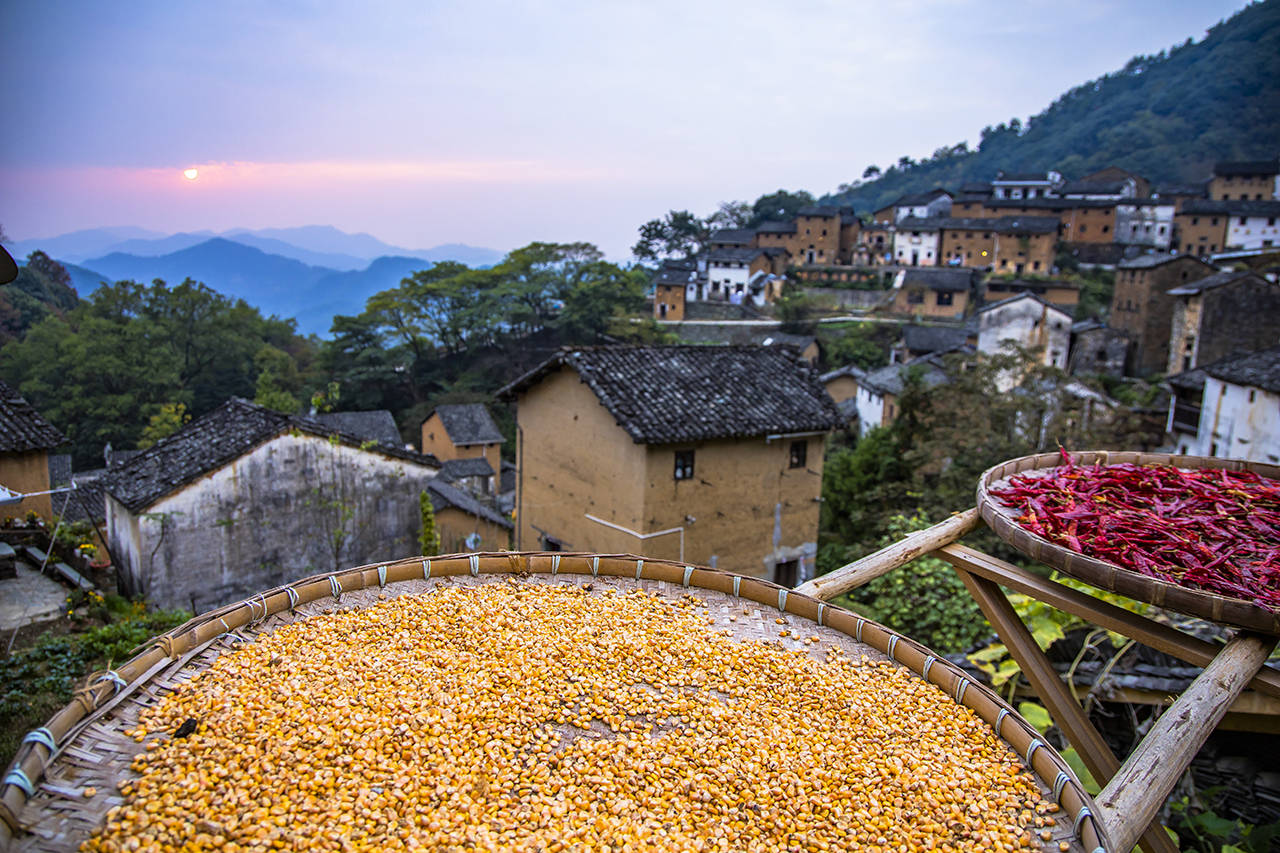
{"points": [[499, 123]]}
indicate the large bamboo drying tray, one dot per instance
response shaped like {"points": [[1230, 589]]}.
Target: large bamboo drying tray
{"points": [[1108, 576], [84, 744]]}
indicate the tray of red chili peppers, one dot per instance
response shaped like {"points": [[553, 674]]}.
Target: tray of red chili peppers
{"points": [[1194, 534]]}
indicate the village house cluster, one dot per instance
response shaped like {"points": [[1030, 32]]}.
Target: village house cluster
{"points": [[1016, 224], [711, 451]]}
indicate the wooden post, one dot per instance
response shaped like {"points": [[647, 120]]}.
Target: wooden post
{"points": [[1136, 792], [1182, 646], [887, 559], [1062, 706]]}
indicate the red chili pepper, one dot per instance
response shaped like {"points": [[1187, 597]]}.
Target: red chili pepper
{"points": [[1215, 530]]}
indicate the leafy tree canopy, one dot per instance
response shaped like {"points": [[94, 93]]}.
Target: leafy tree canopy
{"points": [[104, 368], [1167, 116]]}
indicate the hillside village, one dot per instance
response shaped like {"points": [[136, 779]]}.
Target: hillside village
{"points": [[733, 422]]}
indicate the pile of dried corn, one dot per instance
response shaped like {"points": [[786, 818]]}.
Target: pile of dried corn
{"points": [[524, 716]]}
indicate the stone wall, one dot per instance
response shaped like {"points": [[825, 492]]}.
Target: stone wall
{"points": [[295, 506]]}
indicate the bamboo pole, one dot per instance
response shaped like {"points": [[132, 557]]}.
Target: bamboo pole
{"points": [[1162, 638], [1138, 790], [1062, 706], [887, 559]]}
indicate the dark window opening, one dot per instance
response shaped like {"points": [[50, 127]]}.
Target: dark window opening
{"points": [[684, 465], [787, 573], [799, 452], [945, 298], [915, 297]]}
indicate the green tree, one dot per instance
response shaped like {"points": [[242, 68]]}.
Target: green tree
{"points": [[924, 599], [164, 423], [678, 234], [601, 301], [429, 537], [112, 361], [731, 214], [780, 206], [277, 380]]}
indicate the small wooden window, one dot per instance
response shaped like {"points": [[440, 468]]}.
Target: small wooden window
{"points": [[799, 452], [684, 465]]}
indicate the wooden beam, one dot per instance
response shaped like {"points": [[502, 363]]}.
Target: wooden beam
{"points": [[1062, 706], [1162, 638], [1136, 793], [887, 559]]}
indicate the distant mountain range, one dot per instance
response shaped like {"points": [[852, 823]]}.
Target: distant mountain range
{"points": [[309, 273]]}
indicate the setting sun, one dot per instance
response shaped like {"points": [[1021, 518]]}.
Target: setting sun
{"points": [[191, 174]]}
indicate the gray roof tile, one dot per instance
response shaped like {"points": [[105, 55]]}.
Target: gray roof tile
{"points": [[469, 423], [210, 442], [373, 425], [1257, 370], [668, 394], [443, 495], [22, 428]]}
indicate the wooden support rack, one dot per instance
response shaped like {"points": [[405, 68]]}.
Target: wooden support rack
{"points": [[1135, 790]]}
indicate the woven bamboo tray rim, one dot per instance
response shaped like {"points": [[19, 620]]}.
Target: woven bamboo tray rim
{"points": [[1109, 576], [146, 677]]}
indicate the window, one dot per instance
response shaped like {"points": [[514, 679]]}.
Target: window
{"points": [[799, 452], [1244, 220], [684, 465], [1252, 395], [915, 297], [1106, 228], [945, 298]]}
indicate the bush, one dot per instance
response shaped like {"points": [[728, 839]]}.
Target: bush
{"points": [[36, 681], [924, 599]]}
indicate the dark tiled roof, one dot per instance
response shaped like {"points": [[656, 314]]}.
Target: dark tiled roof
{"points": [[476, 466], [1228, 207], [674, 276], [1086, 187], [733, 235], [210, 442], [917, 199], [1246, 168], [1179, 190], [1190, 380], [1054, 203], [22, 428], [1209, 282], [661, 395], [976, 188], [892, 379], [925, 339], [777, 228], [1257, 370], [1002, 224], [1020, 177], [738, 334], [823, 210], [444, 496], [1157, 259], [1015, 297], [851, 370], [954, 280], [469, 423], [734, 256], [920, 223], [373, 425], [59, 469]]}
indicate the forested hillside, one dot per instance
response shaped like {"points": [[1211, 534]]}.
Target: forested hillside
{"points": [[1167, 116]]}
